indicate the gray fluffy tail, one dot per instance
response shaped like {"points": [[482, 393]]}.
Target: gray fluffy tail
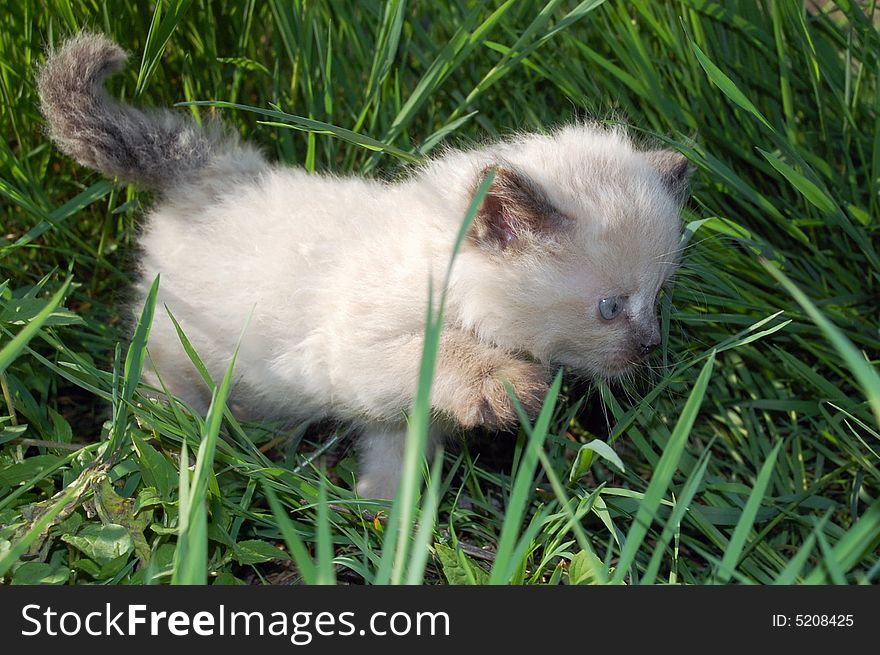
{"points": [[155, 149]]}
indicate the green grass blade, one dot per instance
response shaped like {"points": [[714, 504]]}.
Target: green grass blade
{"points": [[789, 575], [191, 556], [675, 518], [663, 473], [326, 572], [727, 85], [747, 520], [134, 364], [417, 427], [310, 125], [295, 544], [18, 343], [415, 572], [386, 46], [505, 562], [158, 37], [863, 371], [807, 188], [863, 537]]}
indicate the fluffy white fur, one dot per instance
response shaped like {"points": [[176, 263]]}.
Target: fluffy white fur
{"points": [[334, 273]]}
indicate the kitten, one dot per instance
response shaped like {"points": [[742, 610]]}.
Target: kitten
{"points": [[562, 265]]}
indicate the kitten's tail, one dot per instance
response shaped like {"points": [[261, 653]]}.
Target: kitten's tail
{"points": [[155, 149]]}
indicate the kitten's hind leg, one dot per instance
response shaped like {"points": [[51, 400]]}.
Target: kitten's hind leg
{"points": [[382, 447]]}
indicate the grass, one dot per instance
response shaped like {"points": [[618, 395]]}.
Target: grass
{"points": [[748, 454]]}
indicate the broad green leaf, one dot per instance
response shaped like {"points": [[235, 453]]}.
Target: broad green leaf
{"points": [[255, 551], [458, 568], [31, 573], [586, 568], [101, 543], [584, 458], [157, 470]]}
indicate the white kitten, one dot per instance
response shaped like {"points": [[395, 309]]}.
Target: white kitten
{"points": [[562, 266]]}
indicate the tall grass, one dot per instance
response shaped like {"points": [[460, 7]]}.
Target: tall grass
{"points": [[747, 454]]}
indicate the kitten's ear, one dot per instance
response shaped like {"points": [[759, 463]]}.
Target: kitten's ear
{"points": [[675, 171], [513, 210]]}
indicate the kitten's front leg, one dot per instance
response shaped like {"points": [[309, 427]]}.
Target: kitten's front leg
{"points": [[468, 386], [470, 378]]}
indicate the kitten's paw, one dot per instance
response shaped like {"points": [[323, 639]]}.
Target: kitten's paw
{"points": [[381, 487], [492, 407]]}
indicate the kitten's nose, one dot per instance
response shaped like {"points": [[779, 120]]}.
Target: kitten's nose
{"points": [[646, 335], [651, 346]]}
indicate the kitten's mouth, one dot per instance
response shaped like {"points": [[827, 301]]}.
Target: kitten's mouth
{"points": [[611, 368], [618, 366], [617, 369], [624, 361]]}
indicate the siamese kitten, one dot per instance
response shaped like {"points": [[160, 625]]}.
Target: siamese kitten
{"points": [[562, 265]]}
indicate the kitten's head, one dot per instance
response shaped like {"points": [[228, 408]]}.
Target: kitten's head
{"points": [[571, 247]]}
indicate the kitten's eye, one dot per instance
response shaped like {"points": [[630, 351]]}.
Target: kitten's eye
{"points": [[609, 308]]}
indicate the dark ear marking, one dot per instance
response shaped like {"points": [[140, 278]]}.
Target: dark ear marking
{"points": [[675, 171], [515, 209]]}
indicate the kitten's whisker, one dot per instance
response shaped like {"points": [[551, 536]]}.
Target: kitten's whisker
{"points": [[605, 414], [693, 244]]}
